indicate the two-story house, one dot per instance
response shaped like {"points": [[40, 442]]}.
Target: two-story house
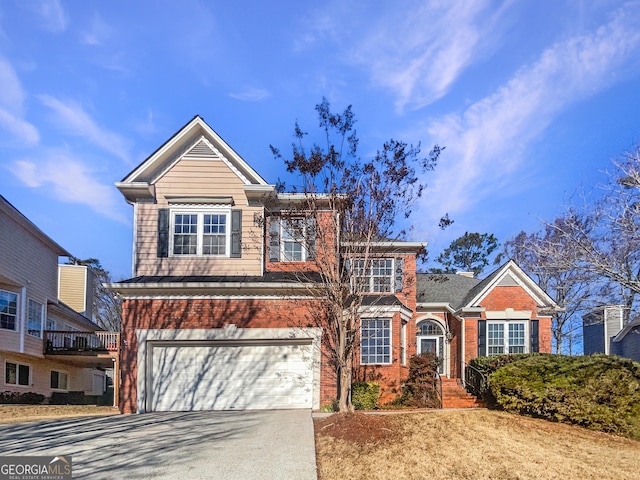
{"points": [[224, 312], [46, 347]]}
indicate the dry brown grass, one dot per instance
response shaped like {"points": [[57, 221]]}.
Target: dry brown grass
{"points": [[476, 445], [30, 413]]}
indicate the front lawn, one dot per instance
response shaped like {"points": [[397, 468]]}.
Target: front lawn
{"points": [[31, 413], [471, 444]]}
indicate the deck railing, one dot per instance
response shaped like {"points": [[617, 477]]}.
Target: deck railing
{"points": [[65, 342]]}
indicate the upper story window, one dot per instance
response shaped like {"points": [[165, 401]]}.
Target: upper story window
{"points": [[34, 320], [291, 239], [378, 275], [8, 310], [199, 231]]}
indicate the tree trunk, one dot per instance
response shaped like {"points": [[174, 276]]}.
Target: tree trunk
{"points": [[344, 389]]}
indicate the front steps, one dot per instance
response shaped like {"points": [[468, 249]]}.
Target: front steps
{"points": [[455, 396]]}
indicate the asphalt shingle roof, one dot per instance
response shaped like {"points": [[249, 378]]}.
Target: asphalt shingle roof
{"points": [[444, 288]]}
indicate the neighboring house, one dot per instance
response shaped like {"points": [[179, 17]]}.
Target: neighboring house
{"points": [[603, 331], [45, 346], [217, 316]]}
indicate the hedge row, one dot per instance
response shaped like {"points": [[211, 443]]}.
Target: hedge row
{"points": [[599, 392]]}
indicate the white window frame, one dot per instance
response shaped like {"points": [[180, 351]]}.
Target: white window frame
{"points": [[18, 365], [39, 310], [294, 237], [58, 388], [51, 324], [506, 345], [367, 278], [364, 359], [200, 212], [5, 294], [403, 343]]}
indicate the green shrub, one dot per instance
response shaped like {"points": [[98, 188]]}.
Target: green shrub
{"points": [[330, 407], [29, 398], [364, 395], [599, 392], [488, 365], [420, 389]]}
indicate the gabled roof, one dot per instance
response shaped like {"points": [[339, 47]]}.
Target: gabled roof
{"points": [[448, 288], [459, 291], [17, 216], [195, 138], [631, 326]]}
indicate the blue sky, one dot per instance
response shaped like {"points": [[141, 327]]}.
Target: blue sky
{"points": [[531, 99]]}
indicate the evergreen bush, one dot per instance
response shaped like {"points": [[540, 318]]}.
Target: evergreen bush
{"points": [[364, 395], [599, 392]]}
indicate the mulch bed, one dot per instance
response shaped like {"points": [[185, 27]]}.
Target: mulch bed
{"points": [[357, 427]]}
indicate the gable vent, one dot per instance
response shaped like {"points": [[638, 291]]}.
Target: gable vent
{"points": [[508, 281], [201, 151]]}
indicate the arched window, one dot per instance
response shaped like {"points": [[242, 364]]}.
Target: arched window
{"points": [[429, 327]]}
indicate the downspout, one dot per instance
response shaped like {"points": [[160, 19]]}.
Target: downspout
{"points": [[23, 316], [462, 349]]}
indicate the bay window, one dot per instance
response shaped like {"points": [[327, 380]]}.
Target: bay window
{"points": [[34, 319], [8, 310], [375, 341]]}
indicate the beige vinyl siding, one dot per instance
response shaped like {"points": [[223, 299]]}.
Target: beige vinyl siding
{"points": [[198, 178], [75, 287], [79, 379], [29, 268]]}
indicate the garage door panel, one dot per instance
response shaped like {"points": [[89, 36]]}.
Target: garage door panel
{"points": [[231, 377]]}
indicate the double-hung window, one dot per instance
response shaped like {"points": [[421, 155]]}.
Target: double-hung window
{"points": [[202, 233], [34, 320], [375, 341], [17, 374], [293, 237], [377, 276], [8, 310], [506, 337], [59, 380]]}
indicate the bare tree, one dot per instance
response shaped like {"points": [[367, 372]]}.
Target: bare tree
{"points": [[606, 234], [554, 263], [359, 207], [107, 304]]}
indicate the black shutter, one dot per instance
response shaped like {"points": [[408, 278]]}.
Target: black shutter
{"points": [[163, 232], [535, 336], [311, 238], [398, 275], [236, 234], [482, 338], [274, 239]]}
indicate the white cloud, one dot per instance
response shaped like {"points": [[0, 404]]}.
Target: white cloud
{"points": [[51, 14], [485, 143], [250, 95], [68, 180], [419, 51], [99, 32], [12, 98], [72, 118]]}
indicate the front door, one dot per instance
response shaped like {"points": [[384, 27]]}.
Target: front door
{"points": [[432, 344]]}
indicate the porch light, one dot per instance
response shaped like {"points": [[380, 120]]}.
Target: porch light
{"points": [[449, 335]]}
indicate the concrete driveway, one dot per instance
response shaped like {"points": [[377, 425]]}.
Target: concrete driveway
{"points": [[196, 445]]}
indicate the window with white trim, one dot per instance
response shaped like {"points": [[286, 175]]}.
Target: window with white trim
{"points": [[403, 343], [506, 337], [377, 277], [34, 319], [200, 233], [51, 324], [8, 310], [293, 237], [17, 374], [59, 380], [375, 341]]}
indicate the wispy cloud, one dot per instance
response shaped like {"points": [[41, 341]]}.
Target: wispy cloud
{"points": [[73, 119], [420, 51], [250, 94], [51, 14], [99, 32], [485, 143], [12, 98], [69, 180]]}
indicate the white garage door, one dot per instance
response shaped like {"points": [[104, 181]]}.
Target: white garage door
{"points": [[230, 376]]}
